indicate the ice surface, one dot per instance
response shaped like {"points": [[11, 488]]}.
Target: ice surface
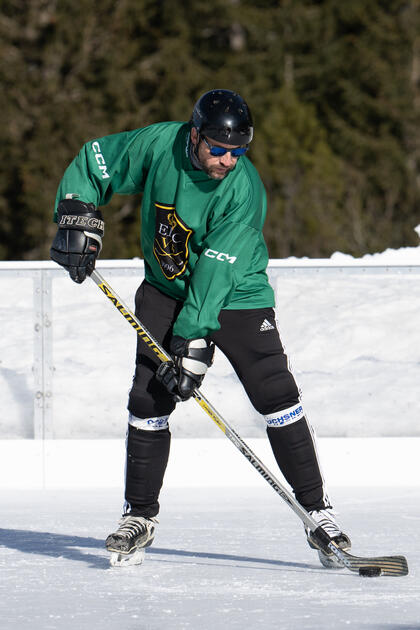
{"points": [[223, 559]]}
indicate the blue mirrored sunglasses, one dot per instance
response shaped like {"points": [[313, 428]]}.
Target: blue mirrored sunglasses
{"points": [[219, 151]]}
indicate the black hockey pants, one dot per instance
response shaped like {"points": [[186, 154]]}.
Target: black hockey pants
{"points": [[250, 340]]}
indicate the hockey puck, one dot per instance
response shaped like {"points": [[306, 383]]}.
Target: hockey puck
{"points": [[370, 571]]}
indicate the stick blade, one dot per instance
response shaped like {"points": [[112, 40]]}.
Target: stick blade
{"points": [[374, 567]]}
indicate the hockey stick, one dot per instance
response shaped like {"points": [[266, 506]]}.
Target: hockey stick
{"points": [[369, 567]]}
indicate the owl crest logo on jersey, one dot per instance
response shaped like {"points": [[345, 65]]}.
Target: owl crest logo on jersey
{"points": [[170, 246]]}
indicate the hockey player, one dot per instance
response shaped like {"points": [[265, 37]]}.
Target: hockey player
{"points": [[205, 285]]}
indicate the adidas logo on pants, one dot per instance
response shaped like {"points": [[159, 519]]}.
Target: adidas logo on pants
{"points": [[266, 326]]}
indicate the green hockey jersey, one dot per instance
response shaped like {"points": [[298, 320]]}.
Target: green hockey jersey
{"points": [[201, 238]]}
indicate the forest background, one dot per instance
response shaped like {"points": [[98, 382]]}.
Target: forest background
{"points": [[333, 85]]}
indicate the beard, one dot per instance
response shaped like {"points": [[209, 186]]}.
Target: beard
{"points": [[217, 172]]}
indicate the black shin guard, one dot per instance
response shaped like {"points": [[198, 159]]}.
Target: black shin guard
{"points": [[294, 450], [147, 457]]}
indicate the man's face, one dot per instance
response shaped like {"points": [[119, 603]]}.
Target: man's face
{"points": [[215, 167]]}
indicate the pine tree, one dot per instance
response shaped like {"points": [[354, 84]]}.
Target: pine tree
{"points": [[333, 86]]}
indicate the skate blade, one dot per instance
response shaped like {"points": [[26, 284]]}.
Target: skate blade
{"points": [[118, 559], [330, 561]]}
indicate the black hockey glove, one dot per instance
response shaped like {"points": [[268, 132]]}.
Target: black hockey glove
{"points": [[192, 357], [79, 238]]}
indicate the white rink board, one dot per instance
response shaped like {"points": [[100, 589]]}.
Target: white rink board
{"points": [[350, 331], [203, 463]]}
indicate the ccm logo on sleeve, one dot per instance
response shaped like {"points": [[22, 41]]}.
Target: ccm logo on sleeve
{"points": [[211, 253], [100, 159]]}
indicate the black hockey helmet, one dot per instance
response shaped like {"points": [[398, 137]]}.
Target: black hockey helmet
{"points": [[224, 116]]}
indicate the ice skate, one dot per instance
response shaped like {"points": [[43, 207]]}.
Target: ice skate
{"points": [[127, 545], [325, 518]]}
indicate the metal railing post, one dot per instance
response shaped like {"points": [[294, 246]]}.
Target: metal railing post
{"points": [[43, 367]]}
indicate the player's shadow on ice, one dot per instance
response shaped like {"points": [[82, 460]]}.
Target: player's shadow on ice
{"points": [[56, 546], [85, 549]]}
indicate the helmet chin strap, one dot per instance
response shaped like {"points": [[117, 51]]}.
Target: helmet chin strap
{"points": [[195, 161]]}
